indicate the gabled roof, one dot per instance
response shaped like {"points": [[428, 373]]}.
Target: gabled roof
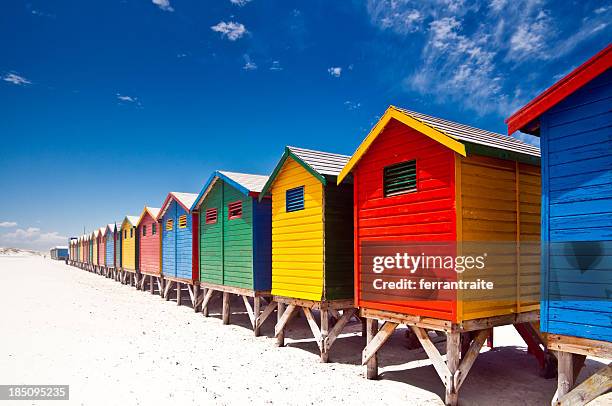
{"points": [[186, 200], [101, 231], [318, 163], [246, 183], [109, 226], [153, 212], [133, 220], [453, 135], [526, 118]]}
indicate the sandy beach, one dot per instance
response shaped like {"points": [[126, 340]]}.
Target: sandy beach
{"points": [[115, 345]]}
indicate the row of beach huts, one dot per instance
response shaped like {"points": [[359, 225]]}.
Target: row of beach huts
{"points": [[297, 240]]}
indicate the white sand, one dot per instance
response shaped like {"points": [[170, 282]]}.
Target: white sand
{"points": [[117, 346]]}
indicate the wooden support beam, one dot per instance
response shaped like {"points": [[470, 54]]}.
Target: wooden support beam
{"points": [[279, 334], [372, 364], [470, 357], [453, 353], [226, 308], [207, 297], [167, 290], [434, 355], [324, 334], [179, 293], [256, 312], [265, 314], [338, 327], [249, 309], [314, 327], [190, 291], [160, 286], [592, 387], [151, 284], [381, 337], [565, 376], [284, 318]]}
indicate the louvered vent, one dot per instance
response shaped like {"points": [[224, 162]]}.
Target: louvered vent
{"points": [[211, 216], [234, 210], [400, 178], [294, 199]]}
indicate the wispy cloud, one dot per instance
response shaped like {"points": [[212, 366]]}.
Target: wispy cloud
{"points": [[163, 4], [8, 224], [125, 99], [335, 71], [240, 3], [32, 238], [231, 30], [477, 63], [16, 79], [350, 105], [276, 66], [248, 63]]}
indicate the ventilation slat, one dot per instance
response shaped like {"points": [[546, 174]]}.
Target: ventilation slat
{"points": [[400, 178]]}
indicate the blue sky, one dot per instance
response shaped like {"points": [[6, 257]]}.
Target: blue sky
{"points": [[108, 105]]}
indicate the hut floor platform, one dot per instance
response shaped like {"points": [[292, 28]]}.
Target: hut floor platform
{"points": [[463, 342], [153, 282], [571, 354]]}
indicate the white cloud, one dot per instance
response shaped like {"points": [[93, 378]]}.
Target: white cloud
{"points": [[471, 52], [350, 105], [16, 79], [124, 99], [335, 71], [163, 4], [8, 224], [231, 30], [248, 63], [32, 238], [276, 66], [240, 3]]}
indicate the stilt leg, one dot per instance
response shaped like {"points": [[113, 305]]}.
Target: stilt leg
{"points": [[324, 334], [256, 311], [280, 338], [372, 364], [151, 284], [196, 297], [453, 349], [178, 293], [226, 308], [565, 377]]}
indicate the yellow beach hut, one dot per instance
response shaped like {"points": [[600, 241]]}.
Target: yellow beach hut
{"points": [[128, 249]]}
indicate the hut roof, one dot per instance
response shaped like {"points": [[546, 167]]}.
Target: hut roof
{"points": [[318, 163], [247, 184], [133, 220], [153, 212], [526, 118], [451, 134], [186, 200]]}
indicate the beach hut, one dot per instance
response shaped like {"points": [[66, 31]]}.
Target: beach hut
{"points": [[94, 250], [117, 234], [179, 228], [573, 119], [129, 252], [101, 251], [59, 253], [434, 189], [149, 247], [235, 237], [109, 248], [312, 247]]}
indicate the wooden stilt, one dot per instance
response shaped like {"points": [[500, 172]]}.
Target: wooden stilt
{"points": [[178, 293], [592, 387], [226, 308], [372, 364], [151, 284], [565, 377], [196, 298], [453, 352], [324, 334], [280, 335], [256, 312], [207, 297]]}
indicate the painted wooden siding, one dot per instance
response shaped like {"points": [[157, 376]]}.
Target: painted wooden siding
{"points": [[237, 240], [148, 247], [338, 214], [118, 245], [128, 254], [184, 247], [500, 203], [426, 215], [262, 244], [101, 250], [211, 238], [169, 242], [576, 140], [110, 250], [297, 237], [94, 251]]}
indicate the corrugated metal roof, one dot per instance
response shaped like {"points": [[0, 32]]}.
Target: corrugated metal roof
{"points": [[324, 163], [254, 183], [474, 135], [154, 211], [186, 199], [132, 219]]}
